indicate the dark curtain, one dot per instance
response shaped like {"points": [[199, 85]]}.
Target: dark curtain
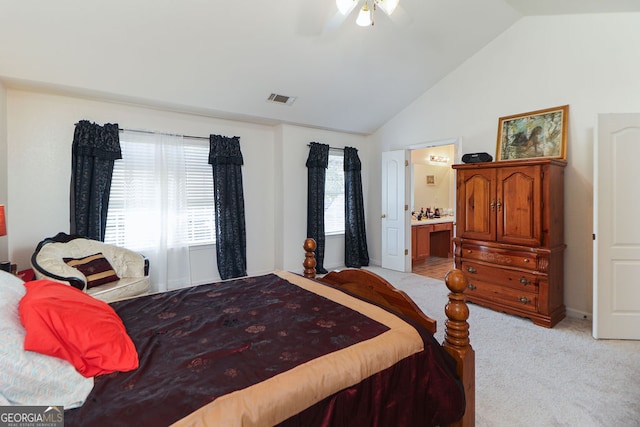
{"points": [[94, 150], [231, 241], [355, 238], [317, 163]]}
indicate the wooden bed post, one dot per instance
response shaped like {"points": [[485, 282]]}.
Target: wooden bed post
{"points": [[457, 344], [309, 263]]}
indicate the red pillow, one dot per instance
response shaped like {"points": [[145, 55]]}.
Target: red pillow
{"points": [[64, 322], [96, 268]]}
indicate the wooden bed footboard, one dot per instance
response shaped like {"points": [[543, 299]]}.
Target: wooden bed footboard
{"points": [[374, 288]]}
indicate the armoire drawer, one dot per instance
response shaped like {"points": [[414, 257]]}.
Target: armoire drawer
{"points": [[507, 257], [502, 295], [514, 279]]}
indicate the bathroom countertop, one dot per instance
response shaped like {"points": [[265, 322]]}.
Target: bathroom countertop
{"points": [[432, 220]]}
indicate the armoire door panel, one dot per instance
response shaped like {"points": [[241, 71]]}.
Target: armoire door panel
{"points": [[518, 203], [477, 197]]}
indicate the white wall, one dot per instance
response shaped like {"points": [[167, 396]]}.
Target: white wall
{"points": [[430, 195], [590, 62], [40, 132]]}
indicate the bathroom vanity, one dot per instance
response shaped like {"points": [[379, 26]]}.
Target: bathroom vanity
{"points": [[431, 237]]}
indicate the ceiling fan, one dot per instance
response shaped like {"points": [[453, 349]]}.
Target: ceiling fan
{"points": [[367, 11], [323, 17]]}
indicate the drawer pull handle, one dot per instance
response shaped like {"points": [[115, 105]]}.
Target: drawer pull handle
{"points": [[472, 270], [524, 281], [524, 300], [469, 251], [471, 286], [526, 260]]}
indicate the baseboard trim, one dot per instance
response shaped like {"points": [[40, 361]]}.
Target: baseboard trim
{"points": [[579, 314]]}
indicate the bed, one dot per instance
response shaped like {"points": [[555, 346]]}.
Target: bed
{"points": [[283, 349]]}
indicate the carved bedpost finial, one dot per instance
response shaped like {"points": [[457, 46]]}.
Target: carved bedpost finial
{"points": [[457, 344], [309, 263], [457, 311]]}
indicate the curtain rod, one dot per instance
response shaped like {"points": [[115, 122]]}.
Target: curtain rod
{"points": [[206, 138], [163, 133], [330, 148]]}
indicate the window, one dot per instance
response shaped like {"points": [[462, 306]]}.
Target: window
{"points": [[334, 194], [135, 214]]}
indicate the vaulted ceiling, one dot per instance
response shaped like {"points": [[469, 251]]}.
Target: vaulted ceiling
{"points": [[224, 58]]}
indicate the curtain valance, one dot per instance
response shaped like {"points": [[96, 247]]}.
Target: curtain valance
{"points": [[93, 140], [225, 150], [351, 160], [318, 155]]}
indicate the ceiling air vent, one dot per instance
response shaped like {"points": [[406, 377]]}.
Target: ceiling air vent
{"points": [[281, 99]]}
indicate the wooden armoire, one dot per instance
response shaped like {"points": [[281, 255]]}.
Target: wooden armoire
{"points": [[510, 236]]}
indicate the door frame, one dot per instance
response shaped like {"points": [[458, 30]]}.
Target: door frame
{"points": [[457, 158]]}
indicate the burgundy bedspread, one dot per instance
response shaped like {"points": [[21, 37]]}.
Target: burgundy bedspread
{"points": [[199, 343]]}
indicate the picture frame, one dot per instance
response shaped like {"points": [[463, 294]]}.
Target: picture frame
{"points": [[536, 134], [431, 180]]}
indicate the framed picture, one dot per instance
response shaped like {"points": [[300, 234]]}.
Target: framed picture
{"points": [[541, 133], [431, 180]]}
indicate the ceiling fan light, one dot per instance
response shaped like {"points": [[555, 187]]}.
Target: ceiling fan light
{"points": [[388, 5], [364, 17], [345, 6]]}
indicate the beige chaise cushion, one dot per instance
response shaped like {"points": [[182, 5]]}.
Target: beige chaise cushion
{"points": [[128, 265]]}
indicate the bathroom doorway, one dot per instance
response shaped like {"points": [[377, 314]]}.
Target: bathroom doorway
{"points": [[433, 192]]}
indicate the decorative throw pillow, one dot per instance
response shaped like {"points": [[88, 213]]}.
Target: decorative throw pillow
{"points": [[65, 322], [96, 268]]}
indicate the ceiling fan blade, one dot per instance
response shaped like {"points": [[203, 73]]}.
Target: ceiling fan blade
{"points": [[316, 17], [335, 21]]}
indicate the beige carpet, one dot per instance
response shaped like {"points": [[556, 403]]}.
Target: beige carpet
{"points": [[527, 375]]}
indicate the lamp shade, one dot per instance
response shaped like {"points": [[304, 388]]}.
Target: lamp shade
{"points": [[3, 222], [364, 17]]}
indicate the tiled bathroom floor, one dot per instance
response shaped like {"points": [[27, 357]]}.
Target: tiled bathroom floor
{"points": [[433, 267]]}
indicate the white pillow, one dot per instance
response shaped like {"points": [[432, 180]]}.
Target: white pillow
{"points": [[7, 279], [26, 377]]}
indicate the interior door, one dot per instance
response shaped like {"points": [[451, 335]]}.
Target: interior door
{"points": [[395, 233], [616, 263]]}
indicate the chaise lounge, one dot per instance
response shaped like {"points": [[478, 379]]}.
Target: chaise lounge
{"points": [[106, 272]]}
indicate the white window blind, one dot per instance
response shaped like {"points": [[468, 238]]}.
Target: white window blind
{"points": [[334, 194], [201, 227], [134, 216]]}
